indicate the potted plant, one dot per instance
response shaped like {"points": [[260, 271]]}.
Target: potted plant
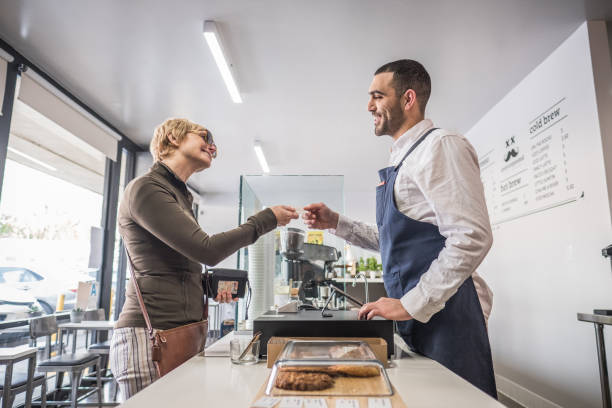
{"points": [[371, 267], [361, 266], [76, 315], [34, 311]]}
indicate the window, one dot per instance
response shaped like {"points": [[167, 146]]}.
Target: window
{"points": [[50, 208]]}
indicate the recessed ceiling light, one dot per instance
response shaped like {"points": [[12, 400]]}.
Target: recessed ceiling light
{"points": [[260, 156]]}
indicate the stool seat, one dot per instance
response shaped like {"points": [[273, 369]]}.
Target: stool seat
{"points": [[20, 378], [71, 359], [100, 347]]}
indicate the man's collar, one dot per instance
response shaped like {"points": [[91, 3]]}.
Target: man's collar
{"points": [[407, 139]]}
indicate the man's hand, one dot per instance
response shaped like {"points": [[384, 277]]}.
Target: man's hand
{"points": [[319, 216], [387, 308], [284, 214]]}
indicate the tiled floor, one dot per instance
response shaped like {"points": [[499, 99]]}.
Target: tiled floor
{"points": [[508, 402]]}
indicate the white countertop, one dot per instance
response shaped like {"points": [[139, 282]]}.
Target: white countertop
{"points": [[216, 382]]}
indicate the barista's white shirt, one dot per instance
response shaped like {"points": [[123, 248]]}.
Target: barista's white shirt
{"points": [[438, 183]]}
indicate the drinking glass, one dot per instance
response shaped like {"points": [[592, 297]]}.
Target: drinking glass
{"points": [[237, 348]]}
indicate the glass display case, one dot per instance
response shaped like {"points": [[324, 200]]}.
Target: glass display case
{"points": [[275, 276]]}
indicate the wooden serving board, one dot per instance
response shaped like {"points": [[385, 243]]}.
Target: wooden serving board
{"points": [[369, 386], [344, 388]]}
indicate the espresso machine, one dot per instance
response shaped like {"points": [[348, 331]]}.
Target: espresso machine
{"points": [[309, 264]]}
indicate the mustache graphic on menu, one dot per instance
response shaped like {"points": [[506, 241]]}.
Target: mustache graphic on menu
{"points": [[512, 153]]}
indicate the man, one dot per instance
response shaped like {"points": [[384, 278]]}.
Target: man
{"points": [[432, 229]]}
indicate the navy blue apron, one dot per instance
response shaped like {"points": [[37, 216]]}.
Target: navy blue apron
{"points": [[456, 336]]}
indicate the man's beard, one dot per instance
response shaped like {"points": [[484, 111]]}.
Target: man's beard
{"points": [[391, 122]]}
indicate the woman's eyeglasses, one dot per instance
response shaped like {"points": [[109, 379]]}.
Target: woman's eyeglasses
{"points": [[208, 139]]}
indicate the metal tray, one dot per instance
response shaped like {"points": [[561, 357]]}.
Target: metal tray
{"points": [[325, 356], [313, 350]]}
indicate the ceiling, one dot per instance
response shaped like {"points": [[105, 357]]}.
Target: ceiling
{"points": [[303, 68]]}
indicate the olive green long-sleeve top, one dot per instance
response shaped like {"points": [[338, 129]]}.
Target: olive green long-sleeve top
{"points": [[168, 248]]}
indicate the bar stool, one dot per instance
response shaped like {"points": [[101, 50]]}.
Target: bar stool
{"points": [[72, 363], [18, 382], [103, 349]]}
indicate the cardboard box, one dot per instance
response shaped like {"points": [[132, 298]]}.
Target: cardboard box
{"points": [[377, 344]]}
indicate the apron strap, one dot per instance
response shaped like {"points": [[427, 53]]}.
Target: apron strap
{"points": [[414, 146]]}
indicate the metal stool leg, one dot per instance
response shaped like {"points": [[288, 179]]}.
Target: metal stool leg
{"points": [[43, 394], [116, 391], [99, 383], [7, 400], [59, 380], [75, 380], [603, 366], [30, 387]]}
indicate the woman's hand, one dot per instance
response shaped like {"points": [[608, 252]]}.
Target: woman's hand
{"points": [[284, 214], [225, 297], [319, 216]]}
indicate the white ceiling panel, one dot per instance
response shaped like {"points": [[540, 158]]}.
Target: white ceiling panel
{"points": [[303, 68]]}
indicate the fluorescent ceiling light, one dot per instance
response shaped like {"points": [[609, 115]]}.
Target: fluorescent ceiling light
{"points": [[262, 159], [214, 43], [30, 158], [6, 56]]}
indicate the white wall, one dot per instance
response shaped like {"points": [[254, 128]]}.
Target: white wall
{"points": [[219, 213], [545, 264], [361, 205], [143, 163]]}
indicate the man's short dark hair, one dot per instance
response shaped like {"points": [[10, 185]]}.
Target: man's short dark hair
{"points": [[409, 74]]}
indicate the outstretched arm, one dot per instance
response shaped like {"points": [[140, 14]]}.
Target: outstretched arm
{"points": [[356, 232]]}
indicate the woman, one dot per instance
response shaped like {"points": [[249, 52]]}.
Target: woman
{"points": [[168, 247]]}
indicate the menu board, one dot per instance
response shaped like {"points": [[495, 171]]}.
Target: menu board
{"points": [[530, 170]]}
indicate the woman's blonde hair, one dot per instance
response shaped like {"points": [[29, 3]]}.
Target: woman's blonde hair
{"points": [[161, 145]]}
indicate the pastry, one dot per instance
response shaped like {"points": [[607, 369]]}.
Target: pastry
{"points": [[303, 381], [354, 370], [354, 354], [306, 369]]}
